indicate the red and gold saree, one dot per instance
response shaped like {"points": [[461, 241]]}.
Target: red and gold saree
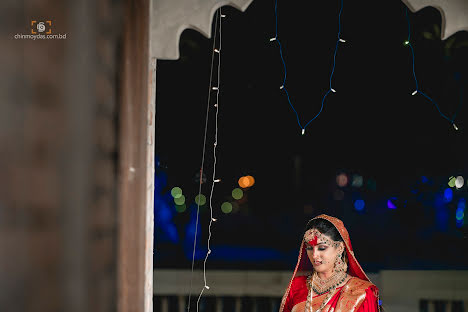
{"points": [[357, 295]]}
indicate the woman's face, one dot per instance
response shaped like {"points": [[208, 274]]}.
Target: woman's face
{"points": [[323, 252]]}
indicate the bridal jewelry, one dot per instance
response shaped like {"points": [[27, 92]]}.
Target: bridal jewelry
{"points": [[312, 236], [340, 263], [321, 286]]}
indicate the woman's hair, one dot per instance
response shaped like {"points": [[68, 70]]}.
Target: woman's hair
{"points": [[324, 227]]}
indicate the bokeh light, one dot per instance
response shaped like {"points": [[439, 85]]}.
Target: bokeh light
{"points": [[237, 193], [459, 181], [342, 180], [424, 179], [251, 180], [179, 200], [244, 182], [359, 205], [176, 192], [181, 208], [391, 204], [460, 214], [226, 207], [357, 181], [200, 200], [451, 182], [448, 195]]}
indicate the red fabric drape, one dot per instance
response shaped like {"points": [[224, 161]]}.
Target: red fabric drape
{"points": [[297, 289]]}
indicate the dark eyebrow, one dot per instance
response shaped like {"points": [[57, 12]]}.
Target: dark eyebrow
{"points": [[322, 243]]}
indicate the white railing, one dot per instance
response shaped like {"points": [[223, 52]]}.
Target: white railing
{"points": [[259, 291], [229, 290]]}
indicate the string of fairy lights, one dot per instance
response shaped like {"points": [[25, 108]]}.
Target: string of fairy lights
{"points": [[215, 88], [216, 51], [417, 90], [331, 89], [283, 86]]}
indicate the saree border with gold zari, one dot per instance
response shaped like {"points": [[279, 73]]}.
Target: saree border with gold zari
{"points": [[347, 298], [354, 268]]}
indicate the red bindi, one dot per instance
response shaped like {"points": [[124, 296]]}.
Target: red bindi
{"points": [[313, 242]]}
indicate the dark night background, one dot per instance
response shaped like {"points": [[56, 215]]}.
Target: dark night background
{"points": [[401, 146]]}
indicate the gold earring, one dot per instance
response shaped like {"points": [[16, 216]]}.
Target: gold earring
{"points": [[340, 265]]}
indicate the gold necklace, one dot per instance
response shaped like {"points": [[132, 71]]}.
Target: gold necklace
{"points": [[321, 286], [311, 281]]}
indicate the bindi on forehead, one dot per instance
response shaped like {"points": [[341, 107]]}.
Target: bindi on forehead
{"points": [[313, 238]]}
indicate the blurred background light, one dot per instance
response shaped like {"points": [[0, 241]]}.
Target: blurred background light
{"points": [[357, 181], [424, 179], [460, 214], [226, 207], [251, 180], [179, 200], [164, 215], [181, 208], [391, 204], [200, 200], [359, 205], [459, 181], [451, 182], [448, 195], [176, 192], [237, 193], [244, 182], [342, 180]]}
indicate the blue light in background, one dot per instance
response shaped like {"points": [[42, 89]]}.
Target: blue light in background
{"points": [[172, 233], [164, 214], [461, 204], [460, 214], [390, 204], [250, 254], [424, 179], [359, 205], [442, 218], [448, 195]]}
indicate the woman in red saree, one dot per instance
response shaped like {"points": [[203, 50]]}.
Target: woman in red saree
{"points": [[328, 277]]}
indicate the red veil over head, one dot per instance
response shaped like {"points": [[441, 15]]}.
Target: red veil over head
{"points": [[304, 265]]}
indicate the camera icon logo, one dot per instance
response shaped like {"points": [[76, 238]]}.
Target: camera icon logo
{"points": [[41, 27]]}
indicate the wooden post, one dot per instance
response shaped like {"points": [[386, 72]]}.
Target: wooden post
{"points": [[136, 163]]}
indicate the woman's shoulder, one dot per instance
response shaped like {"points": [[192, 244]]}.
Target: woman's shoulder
{"points": [[299, 281], [356, 284]]}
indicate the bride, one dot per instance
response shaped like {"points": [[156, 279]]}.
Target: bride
{"points": [[328, 278]]}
